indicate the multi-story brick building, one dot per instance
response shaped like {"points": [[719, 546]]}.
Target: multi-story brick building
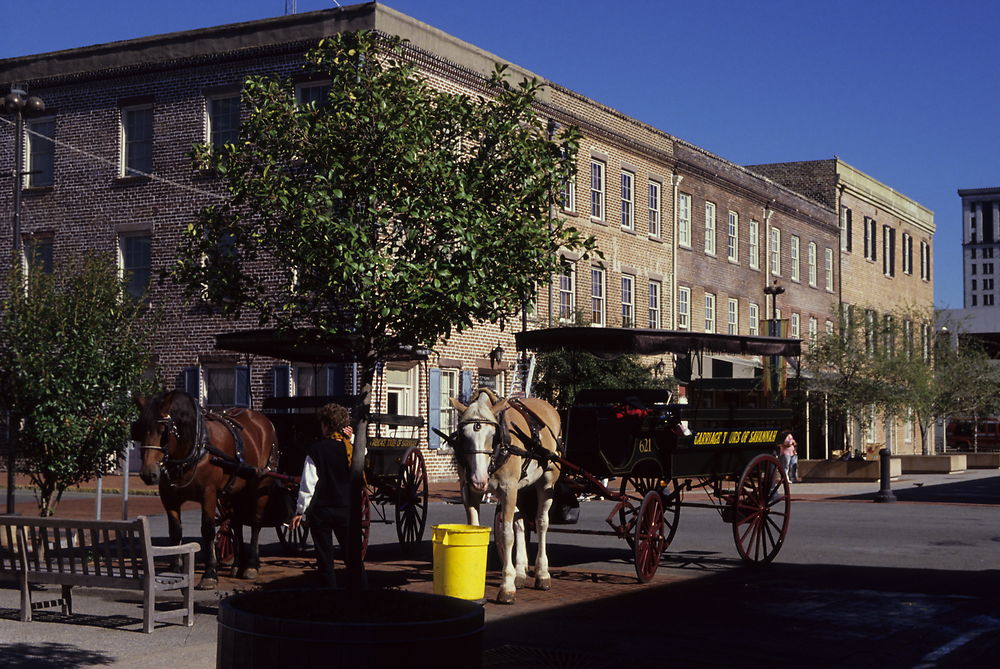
{"points": [[113, 174], [884, 263]]}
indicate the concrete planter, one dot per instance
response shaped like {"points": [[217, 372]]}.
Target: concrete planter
{"points": [[983, 460], [334, 628], [845, 470], [933, 464]]}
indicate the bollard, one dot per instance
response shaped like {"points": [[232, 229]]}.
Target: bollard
{"points": [[885, 473]]}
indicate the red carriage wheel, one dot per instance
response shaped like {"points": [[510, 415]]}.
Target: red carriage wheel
{"points": [[761, 509], [293, 542], [649, 541], [366, 520], [227, 538], [411, 500], [641, 485]]}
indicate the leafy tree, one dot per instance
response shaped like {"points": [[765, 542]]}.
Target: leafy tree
{"points": [[392, 212], [74, 351], [562, 374]]}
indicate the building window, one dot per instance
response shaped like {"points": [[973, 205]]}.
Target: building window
{"points": [[597, 296], [448, 421], [793, 250], [628, 301], [654, 304], [733, 316], [567, 292], [683, 308], [813, 329], [597, 190], [987, 300], [811, 262], [794, 326], [401, 391], [908, 254], [925, 261], [654, 209], [137, 141], [846, 229], [828, 325], [684, 220], [754, 244], [38, 253], [709, 312], [226, 386], [628, 200], [223, 120], [888, 251], [870, 238], [41, 152], [710, 228], [775, 251], [567, 196], [135, 261], [314, 92], [870, 336], [828, 268], [754, 319], [733, 238]]}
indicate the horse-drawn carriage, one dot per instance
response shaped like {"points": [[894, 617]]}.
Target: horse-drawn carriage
{"points": [[719, 447], [716, 451], [395, 473]]}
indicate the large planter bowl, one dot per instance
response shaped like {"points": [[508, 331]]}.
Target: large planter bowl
{"points": [[336, 628]]}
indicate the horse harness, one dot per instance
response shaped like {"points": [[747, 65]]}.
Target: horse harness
{"points": [[502, 446], [175, 468]]}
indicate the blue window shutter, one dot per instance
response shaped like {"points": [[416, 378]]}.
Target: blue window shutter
{"points": [[242, 398], [465, 388], [434, 407], [335, 380], [191, 385], [282, 383]]}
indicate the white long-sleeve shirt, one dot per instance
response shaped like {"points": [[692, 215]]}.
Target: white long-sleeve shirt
{"points": [[307, 486]]}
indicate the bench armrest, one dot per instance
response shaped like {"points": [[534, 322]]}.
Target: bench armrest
{"points": [[190, 547]]}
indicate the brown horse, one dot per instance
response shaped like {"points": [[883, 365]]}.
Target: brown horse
{"points": [[491, 438], [206, 457]]}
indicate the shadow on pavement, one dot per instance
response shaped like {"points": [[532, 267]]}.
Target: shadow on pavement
{"points": [[975, 491], [50, 655], [780, 616]]}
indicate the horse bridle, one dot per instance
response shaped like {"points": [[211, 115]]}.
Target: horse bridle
{"points": [[477, 424]]}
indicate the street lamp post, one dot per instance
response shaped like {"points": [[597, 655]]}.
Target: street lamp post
{"points": [[772, 322], [19, 105]]}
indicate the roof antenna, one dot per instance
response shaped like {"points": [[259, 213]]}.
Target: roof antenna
{"points": [[290, 7], [337, 3]]}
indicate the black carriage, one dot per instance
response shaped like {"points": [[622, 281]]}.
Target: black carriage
{"points": [[717, 450], [395, 473]]}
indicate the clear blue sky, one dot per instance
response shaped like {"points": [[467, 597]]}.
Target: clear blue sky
{"points": [[906, 91]]}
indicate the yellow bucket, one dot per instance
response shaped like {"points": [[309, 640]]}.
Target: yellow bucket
{"points": [[460, 561]]}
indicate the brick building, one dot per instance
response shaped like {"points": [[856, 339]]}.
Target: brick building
{"points": [[114, 175], [884, 266]]}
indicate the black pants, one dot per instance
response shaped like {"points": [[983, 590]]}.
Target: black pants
{"points": [[323, 523]]}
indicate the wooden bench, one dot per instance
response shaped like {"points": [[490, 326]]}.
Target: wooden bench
{"points": [[94, 553]]}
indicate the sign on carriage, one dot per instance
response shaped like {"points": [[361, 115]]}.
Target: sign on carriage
{"points": [[392, 442], [735, 437]]}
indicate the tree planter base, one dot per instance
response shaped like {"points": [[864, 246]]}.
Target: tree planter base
{"points": [[335, 628]]}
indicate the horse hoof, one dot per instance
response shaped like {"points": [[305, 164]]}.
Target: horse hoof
{"points": [[520, 580], [207, 584], [249, 574], [543, 583], [505, 597]]}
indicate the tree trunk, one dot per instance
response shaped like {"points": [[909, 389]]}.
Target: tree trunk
{"points": [[356, 576]]}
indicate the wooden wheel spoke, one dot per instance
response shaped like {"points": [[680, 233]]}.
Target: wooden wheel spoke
{"points": [[761, 510]]}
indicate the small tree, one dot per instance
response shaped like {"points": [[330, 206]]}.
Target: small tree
{"points": [[74, 351], [391, 213], [562, 374]]}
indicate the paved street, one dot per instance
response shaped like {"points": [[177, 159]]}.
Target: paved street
{"points": [[911, 584]]}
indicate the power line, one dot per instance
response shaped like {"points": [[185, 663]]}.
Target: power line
{"points": [[112, 163]]}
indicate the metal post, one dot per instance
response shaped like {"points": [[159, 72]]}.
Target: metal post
{"points": [[15, 244], [885, 473]]}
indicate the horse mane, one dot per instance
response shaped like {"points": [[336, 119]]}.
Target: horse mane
{"points": [[182, 408], [494, 398]]}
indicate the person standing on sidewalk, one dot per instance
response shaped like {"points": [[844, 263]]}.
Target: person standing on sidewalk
{"points": [[788, 456], [324, 490]]}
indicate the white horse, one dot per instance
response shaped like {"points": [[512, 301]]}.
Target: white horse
{"points": [[492, 444]]}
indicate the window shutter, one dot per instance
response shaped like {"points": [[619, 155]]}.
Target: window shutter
{"points": [[433, 407], [191, 382], [465, 387], [282, 383], [850, 230], [335, 380], [242, 390]]}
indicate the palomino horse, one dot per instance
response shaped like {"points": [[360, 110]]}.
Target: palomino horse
{"points": [[501, 446], [205, 457]]}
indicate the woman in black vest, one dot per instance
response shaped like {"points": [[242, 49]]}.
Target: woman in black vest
{"points": [[324, 490]]}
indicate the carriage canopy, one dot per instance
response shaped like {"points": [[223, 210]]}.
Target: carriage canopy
{"points": [[611, 343]]}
